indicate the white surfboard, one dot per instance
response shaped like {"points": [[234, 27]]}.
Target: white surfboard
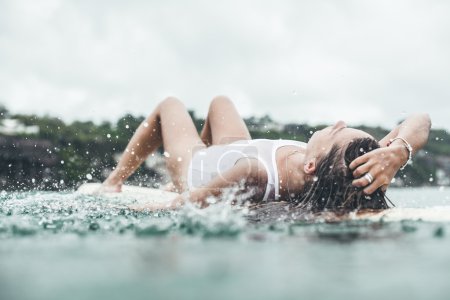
{"points": [[140, 194], [427, 214], [145, 195]]}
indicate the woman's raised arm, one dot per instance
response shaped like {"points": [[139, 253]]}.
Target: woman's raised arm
{"points": [[382, 164], [414, 129]]}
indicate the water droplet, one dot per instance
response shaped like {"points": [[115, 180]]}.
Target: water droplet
{"points": [[166, 154], [108, 136], [211, 200], [89, 176], [431, 179], [127, 126], [179, 159], [62, 162], [145, 124]]}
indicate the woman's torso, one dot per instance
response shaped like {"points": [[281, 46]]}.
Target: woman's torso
{"points": [[210, 162]]}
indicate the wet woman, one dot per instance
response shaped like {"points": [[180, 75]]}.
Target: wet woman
{"points": [[340, 168]]}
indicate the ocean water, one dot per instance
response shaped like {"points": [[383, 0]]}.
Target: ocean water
{"points": [[62, 245]]}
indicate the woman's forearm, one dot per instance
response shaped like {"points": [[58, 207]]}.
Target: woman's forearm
{"points": [[415, 130]]}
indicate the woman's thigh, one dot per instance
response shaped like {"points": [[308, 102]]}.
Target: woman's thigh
{"points": [[180, 139], [223, 124]]}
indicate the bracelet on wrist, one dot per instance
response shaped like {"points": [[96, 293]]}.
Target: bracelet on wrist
{"points": [[407, 146]]}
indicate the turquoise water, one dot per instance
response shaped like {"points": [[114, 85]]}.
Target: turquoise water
{"points": [[69, 246]]}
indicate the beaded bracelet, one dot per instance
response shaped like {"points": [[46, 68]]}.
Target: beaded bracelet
{"points": [[407, 146]]}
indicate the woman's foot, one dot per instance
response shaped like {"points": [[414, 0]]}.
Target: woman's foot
{"points": [[169, 187], [106, 188], [110, 186]]}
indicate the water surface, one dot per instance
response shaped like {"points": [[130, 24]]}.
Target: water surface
{"points": [[68, 246]]}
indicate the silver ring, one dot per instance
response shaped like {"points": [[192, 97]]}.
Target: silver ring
{"points": [[369, 177]]}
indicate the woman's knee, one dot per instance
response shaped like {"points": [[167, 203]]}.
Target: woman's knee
{"points": [[220, 102], [170, 102]]}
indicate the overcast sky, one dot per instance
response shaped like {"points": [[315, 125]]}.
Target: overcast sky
{"points": [[366, 62]]}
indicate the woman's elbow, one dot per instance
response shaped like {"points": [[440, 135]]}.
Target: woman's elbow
{"points": [[422, 119], [426, 127], [428, 120]]}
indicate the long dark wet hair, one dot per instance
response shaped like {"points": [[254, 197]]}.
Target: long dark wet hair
{"points": [[331, 189], [329, 194]]}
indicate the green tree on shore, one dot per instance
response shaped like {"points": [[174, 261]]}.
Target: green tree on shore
{"points": [[84, 147]]}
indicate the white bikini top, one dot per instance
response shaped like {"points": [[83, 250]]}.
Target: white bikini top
{"points": [[267, 150], [213, 161]]}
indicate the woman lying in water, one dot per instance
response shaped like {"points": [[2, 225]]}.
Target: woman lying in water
{"points": [[339, 169]]}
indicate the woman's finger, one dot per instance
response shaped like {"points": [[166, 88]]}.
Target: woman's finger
{"points": [[359, 161], [370, 166], [373, 186], [366, 168], [360, 182], [362, 169]]}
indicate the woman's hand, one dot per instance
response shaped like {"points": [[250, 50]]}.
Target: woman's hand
{"points": [[382, 164]]}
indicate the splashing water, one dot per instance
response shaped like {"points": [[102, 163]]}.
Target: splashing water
{"points": [[31, 213], [40, 213], [70, 246]]}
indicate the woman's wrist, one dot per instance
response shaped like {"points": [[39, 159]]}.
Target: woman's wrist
{"points": [[402, 152]]}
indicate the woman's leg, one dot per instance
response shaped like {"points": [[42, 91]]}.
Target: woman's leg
{"points": [[170, 125], [223, 124]]}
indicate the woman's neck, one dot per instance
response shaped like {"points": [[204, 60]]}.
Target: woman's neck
{"points": [[291, 175]]}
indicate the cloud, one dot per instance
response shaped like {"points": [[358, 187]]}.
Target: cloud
{"points": [[318, 61]]}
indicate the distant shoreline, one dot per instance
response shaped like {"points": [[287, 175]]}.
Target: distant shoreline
{"points": [[46, 153]]}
